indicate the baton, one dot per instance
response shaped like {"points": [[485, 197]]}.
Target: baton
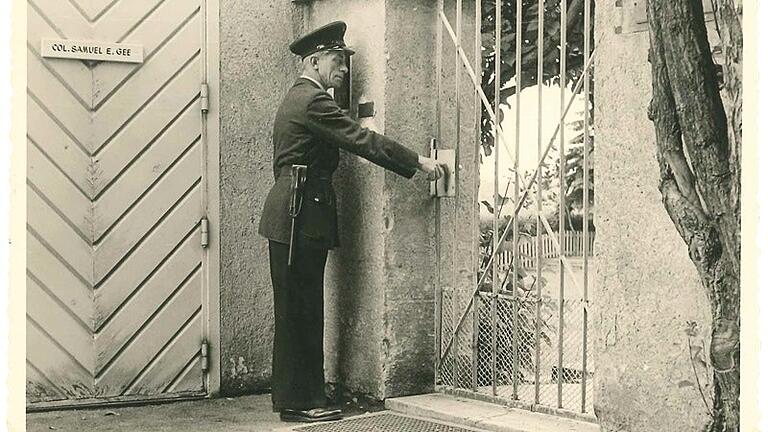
{"points": [[298, 176]]}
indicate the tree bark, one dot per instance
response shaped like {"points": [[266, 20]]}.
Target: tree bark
{"points": [[699, 151], [728, 17]]}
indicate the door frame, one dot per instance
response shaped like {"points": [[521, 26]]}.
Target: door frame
{"points": [[211, 294]]}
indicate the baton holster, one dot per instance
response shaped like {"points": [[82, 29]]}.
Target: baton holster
{"points": [[298, 177]]}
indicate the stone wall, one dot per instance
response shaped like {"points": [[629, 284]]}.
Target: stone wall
{"points": [[646, 290], [255, 73]]}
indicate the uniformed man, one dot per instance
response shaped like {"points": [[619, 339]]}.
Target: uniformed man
{"points": [[299, 216]]}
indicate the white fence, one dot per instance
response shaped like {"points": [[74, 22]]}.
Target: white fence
{"points": [[526, 248]]}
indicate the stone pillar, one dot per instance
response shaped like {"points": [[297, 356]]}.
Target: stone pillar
{"points": [[646, 290], [409, 261], [380, 283]]}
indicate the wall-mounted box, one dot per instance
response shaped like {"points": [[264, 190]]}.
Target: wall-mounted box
{"points": [[634, 17], [366, 109]]}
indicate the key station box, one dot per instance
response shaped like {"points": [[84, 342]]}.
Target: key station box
{"points": [[446, 185]]}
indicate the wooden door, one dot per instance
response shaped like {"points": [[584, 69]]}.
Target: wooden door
{"points": [[115, 196]]}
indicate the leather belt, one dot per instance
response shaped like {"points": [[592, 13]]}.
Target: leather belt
{"points": [[311, 174]]}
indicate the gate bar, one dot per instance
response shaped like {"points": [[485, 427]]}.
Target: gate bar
{"points": [[454, 275], [585, 203], [518, 206], [539, 137], [496, 209], [516, 228], [561, 213], [475, 177]]}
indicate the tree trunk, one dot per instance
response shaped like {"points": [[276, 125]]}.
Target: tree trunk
{"points": [[699, 152]]}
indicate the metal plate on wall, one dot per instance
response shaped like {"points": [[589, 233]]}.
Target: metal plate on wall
{"points": [[446, 185]]}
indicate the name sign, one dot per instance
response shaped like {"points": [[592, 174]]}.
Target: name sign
{"points": [[91, 50]]}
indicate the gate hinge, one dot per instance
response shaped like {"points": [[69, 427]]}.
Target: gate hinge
{"points": [[204, 232], [204, 356], [204, 98]]}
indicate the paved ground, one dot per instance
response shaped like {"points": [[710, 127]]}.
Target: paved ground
{"points": [[242, 414], [254, 414]]}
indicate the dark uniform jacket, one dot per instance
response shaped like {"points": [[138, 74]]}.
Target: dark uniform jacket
{"points": [[309, 130]]}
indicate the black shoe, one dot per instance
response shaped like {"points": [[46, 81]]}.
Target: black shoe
{"points": [[310, 416]]}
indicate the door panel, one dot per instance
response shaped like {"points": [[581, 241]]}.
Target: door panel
{"points": [[115, 189]]}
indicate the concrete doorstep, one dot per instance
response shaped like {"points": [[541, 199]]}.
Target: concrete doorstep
{"points": [[484, 415]]}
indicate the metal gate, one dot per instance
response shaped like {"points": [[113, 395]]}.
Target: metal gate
{"points": [[513, 335], [119, 285]]}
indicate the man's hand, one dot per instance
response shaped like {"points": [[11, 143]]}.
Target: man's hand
{"points": [[432, 168]]}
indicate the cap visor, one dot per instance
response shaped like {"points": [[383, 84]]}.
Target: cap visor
{"points": [[346, 49]]}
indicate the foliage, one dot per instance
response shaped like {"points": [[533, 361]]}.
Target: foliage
{"points": [[574, 55], [573, 189], [574, 48], [574, 181]]}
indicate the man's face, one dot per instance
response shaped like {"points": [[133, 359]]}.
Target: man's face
{"points": [[332, 67]]}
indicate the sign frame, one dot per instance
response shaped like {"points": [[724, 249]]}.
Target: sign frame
{"points": [[92, 50]]}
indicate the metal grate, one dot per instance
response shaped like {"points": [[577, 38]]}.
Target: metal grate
{"points": [[518, 333], [385, 422]]}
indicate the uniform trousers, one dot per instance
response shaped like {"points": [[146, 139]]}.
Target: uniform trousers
{"points": [[298, 380]]}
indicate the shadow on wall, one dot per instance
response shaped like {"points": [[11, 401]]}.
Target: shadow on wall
{"points": [[346, 293]]}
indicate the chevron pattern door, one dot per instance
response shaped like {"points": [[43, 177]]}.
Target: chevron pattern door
{"points": [[115, 196]]}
